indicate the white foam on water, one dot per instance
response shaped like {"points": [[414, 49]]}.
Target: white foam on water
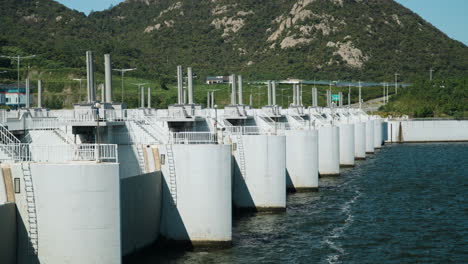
{"points": [[338, 231]]}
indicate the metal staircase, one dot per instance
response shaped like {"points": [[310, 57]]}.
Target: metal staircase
{"points": [[31, 208], [172, 173], [240, 148], [63, 136], [141, 158]]}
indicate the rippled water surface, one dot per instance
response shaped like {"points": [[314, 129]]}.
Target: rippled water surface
{"points": [[406, 204]]}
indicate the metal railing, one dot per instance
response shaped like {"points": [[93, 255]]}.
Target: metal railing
{"points": [[6, 137], [244, 130], [193, 138], [59, 153]]}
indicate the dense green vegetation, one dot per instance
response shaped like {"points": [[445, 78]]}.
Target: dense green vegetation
{"points": [[235, 36], [225, 36], [439, 98]]}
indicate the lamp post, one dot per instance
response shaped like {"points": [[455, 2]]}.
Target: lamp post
{"points": [[123, 71], [18, 58], [79, 80]]}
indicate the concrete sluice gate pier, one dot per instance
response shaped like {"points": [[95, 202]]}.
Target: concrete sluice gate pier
{"points": [[94, 184], [98, 182]]}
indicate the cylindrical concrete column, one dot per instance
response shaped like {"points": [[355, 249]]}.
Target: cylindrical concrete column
{"points": [[378, 133], [239, 79], [149, 97], [269, 92], [39, 93], [273, 93], [91, 82], [27, 94], [314, 99], [360, 140], [108, 76], [329, 150], [142, 93], [233, 89], [259, 173], [302, 160], [180, 85], [197, 194], [370, 136], [347, 145], [190, 85]]}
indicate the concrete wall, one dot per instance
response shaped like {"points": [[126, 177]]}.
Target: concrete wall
{"points": [[199, 208], [378, 133], [428, 131], [263, 187], [302, 159], [8, 233], [141, 200], [329, 150], [78, 213], [347, 145], [370, 136], [360, 140]]}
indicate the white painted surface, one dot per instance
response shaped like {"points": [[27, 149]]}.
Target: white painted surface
{"points": [[3, 195], [428, 131], [78, 212], [370, 136], [8, 233], [203, 212], [302, 158], [264, 184], [378, 135], [329, 150], [360, 140], [347, 145]]}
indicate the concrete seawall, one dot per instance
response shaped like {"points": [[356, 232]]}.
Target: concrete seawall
{"points": [[7, 233], [427, 131]]}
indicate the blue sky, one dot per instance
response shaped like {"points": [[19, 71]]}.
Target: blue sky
{"points": [[450, 16]]}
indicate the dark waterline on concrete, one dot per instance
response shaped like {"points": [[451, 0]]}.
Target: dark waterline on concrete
{"points": [[406, 204]]}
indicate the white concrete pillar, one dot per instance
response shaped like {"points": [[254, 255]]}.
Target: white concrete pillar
{"points": [[27, 93], [347, 145], [190, 85], [329, 150], [302, 160], [39, 93], [180, 85], [108, 77]]}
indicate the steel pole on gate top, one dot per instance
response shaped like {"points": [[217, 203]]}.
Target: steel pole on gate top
{"points": [[240, 88]]}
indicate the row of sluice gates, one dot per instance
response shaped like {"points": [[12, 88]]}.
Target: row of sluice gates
{"points": [[99, 182], [172, 174]]}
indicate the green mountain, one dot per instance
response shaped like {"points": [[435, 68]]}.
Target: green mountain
{"points": [[322, 39]]}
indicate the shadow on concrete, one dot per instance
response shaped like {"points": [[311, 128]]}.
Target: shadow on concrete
{"points": [[242, 200], [25, 249]]}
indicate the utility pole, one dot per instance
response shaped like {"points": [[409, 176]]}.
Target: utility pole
{"points": [[396, 83], [430, 73], [123, 71], [18, 58]]}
